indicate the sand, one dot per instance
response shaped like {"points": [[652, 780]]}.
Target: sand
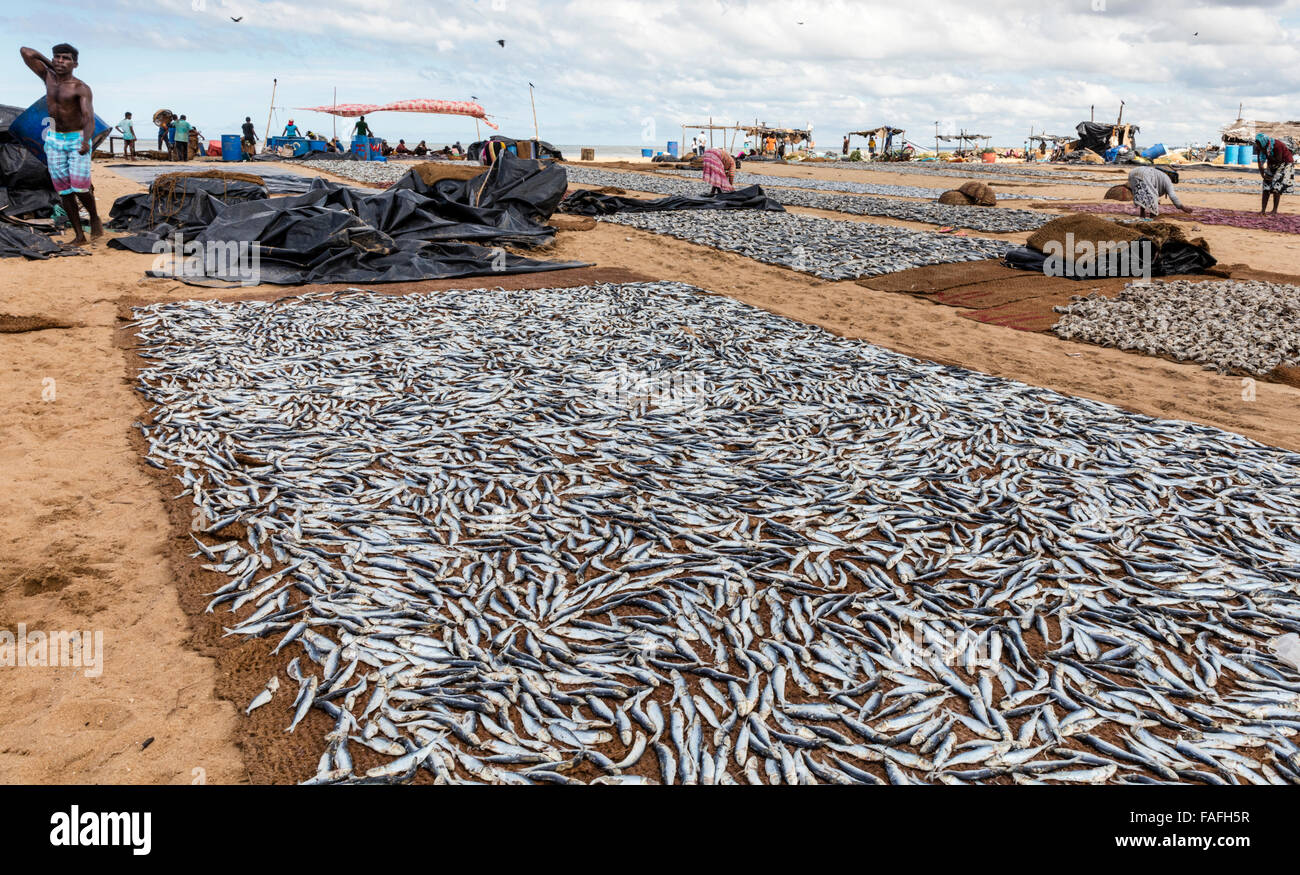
{"points": [[91, 543]]}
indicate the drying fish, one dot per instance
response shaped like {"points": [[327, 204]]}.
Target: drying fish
{"points": [[621, 533]]}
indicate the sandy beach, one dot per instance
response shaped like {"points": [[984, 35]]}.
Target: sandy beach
{"points": [[91, 544]]}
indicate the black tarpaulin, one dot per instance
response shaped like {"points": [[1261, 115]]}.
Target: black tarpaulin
{"points": [[276, 183], [589, 203], [1096, 135], [25, 188], [332, 233], [186, 204], [478, 151], [16, 242], [1172, 258]]}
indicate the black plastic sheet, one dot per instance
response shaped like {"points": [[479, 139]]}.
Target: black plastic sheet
{"points": [[590, 203], [25, 187], [16, 242], [188, 205], [276, 183], [1173, 258], [335, 234]]}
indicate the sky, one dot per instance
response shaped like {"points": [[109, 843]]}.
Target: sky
{"points": [[631, 72]]}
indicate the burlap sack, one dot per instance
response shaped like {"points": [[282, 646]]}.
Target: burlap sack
{"points": [[1083, 226], [955, 198], [979, 193], [1119, 193]]}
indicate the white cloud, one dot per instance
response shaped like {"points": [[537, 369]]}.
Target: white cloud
{"points": [[603, 66]]}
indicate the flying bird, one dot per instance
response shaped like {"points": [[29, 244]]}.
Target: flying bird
{"points": [[1198, 33], [501, 43], [237, 20]]}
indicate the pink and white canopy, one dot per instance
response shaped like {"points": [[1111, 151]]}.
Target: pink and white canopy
{"points": [[444, 107]]}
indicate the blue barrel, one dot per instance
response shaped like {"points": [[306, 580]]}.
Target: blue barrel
{"points": [[672, 148], [1246, 154], [1154, 152], [647, 153], [30, 126], [1230, 152], [231, 150]]}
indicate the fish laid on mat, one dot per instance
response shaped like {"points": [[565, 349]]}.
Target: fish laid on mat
{"points": [[640, 533]]}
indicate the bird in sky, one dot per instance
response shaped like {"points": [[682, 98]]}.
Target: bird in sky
{"points": [[501, 43], [1198, 33], [237, 20]]}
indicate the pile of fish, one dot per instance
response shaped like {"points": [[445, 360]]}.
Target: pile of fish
{"points": [[1227, 325], [371, 172], [828, 248], [988, 219], [1008, 172], [839, 185], [640, 533]]}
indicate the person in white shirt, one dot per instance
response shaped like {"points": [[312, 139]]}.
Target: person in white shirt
{"points": [[127, 129]]}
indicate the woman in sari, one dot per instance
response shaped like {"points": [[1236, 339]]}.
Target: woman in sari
{"points": [[719, 171], [1276, 166]]}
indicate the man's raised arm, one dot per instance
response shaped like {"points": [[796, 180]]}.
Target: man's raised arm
{"points": [[39, 64]]}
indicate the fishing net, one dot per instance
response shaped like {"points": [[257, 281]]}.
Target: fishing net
{"points": [[170, 192]]}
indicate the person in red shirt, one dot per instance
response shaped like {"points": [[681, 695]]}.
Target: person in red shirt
{"points": [[1276, 167]]}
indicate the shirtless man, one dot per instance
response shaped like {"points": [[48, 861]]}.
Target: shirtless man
{"points": [[68, 146]]}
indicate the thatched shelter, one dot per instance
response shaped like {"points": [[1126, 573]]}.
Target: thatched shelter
{"points": [[1242, 132]]}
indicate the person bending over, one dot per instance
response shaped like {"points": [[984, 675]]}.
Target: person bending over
{"points": [[1148, 184], [719, 171]]}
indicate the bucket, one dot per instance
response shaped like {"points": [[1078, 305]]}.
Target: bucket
{"points": [[647, 153], [230, 148], [672, 148], [588, 154], [990, 157], [1154, 152]]}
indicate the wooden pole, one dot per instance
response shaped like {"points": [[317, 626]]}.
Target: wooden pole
{"points": [[334, 117], [536, 135], [274, 83]]}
